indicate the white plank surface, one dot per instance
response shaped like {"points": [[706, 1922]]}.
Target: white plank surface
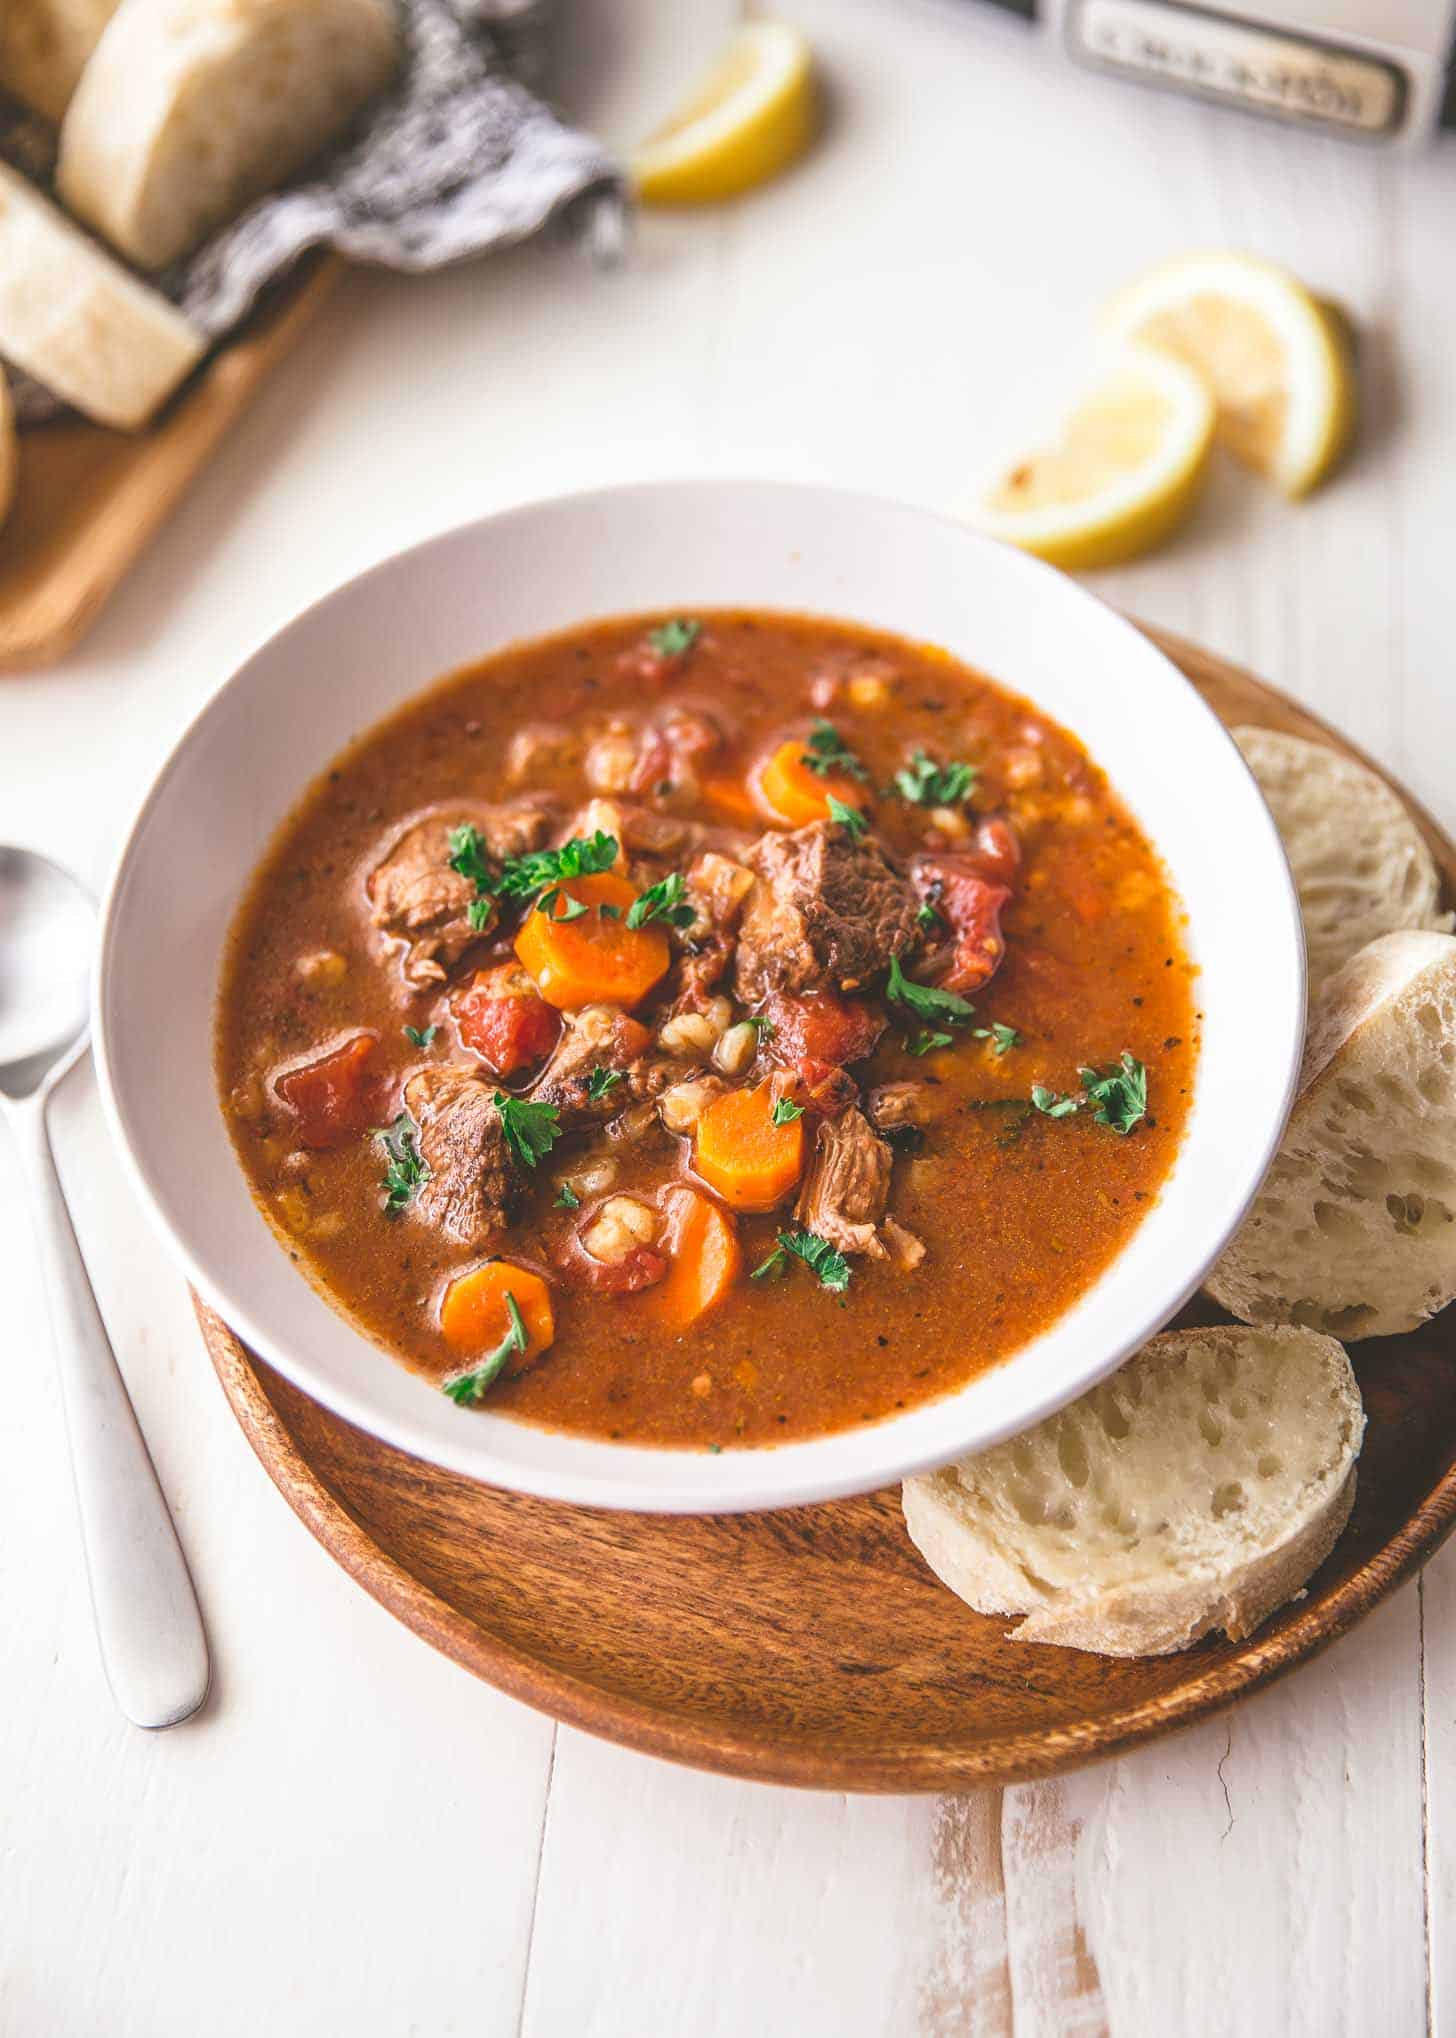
{"points": [[355, 1836]]}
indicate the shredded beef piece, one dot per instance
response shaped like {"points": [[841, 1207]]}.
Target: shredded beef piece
{"points": [[826, 913], [895, 1104], [472, 1189], [600, 1036], [417, 898], [848, 1185]]}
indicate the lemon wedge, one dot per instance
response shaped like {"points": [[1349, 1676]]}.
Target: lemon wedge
{"points": [[1276, 359], [1125, 468], [750, 118]]}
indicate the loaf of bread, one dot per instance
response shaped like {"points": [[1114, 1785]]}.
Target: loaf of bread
{"points": [[44, 46], [75, 320], [1354, 1229], [190, 109], [1197, 1488], [1360, 864]]}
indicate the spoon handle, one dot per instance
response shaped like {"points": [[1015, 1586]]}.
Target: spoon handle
{"points": [[147, 1621]]}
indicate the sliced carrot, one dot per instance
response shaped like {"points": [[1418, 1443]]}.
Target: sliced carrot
{"points": [[740, 1152], [731, 797], [702, 1242], [797, 794], [474, 1317], [593, 959]]}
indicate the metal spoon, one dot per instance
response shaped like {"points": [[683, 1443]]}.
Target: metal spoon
{"points": [[147, 1621]]}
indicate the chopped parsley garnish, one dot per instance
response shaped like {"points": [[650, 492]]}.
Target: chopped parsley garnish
{"points": [[601, 1081], [925, 1001], [571, 909], [1118, 1095], [467, 855], [929, 784], [531, 1129], [583, 856], [422, 1036], [819, 1256], [1002, 1038], [665, 901], [848, 818], [785, 1111], [472, 1383], [675, 639], [405, 1170], [826, 754], [568, 1199], [926, 915], [926, 1043], [771, 1268], [608, 912], [480, 913], [762, 1025]]}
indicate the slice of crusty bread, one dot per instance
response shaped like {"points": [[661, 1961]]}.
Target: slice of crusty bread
{"points": [[1198, 1488], [44, 45], [1360, 864], [1354, 1228], [75, 320], [190, 109]]}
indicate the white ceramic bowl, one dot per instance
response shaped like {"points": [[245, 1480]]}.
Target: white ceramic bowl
{"points": [[344, 663]]}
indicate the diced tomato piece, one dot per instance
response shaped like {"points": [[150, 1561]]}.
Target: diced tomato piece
{"points": [[642, 1268], [501, 1016], [334, 1097], [822, 1029], [997, 853], [971, 907]]}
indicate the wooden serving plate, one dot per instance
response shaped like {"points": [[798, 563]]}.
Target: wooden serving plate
{"points": [[89, 500], [812, 1645]]}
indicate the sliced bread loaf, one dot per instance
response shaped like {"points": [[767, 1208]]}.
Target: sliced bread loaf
{"points": [[44, 45], [1354, 1228], [78, 322], [1360, 864], [1198, 1488], [190, 109]]}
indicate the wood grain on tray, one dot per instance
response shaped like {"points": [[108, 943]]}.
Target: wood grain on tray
{"points": [[812, 1645]]}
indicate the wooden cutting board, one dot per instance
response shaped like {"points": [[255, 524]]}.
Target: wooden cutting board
{"points": [[811, 1645], [89, 500]]}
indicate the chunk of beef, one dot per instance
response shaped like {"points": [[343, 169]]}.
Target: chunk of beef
{"points": [[417, 897], [825, 914], [893, 1105], [716, 890], [848, 1185], [671, 750], [472, 1189], [600, 1037]]}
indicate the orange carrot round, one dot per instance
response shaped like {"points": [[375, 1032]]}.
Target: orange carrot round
{"points": [[752, 1162], [702, 1242], [797, 794], [474, 1317], [594, 958]]}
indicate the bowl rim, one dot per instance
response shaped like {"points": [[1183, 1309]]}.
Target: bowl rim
{"points": [[472, 1457]]}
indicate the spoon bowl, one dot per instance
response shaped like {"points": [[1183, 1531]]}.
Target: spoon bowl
{"points": [[47, 930]]}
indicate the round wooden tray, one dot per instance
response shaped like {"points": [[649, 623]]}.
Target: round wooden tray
{"points": [[812, 1645]]}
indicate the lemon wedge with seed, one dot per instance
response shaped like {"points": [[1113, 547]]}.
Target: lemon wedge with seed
{"points": [[1123, 471], [750, 118], [1276, 359]]}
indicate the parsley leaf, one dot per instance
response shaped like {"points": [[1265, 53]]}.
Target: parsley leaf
{"points": [[571, 909], [1051, 1105], [771, 1268], [675, 639], [531, 1130], [601, 1081], [926, 915], [607, 911], [480, 913], [762, 1025], [583, 856], [405, 1170], [928, 784], [1003, 1038], [785, 1111], [925, 1043], [819, 1256], [467, 855], [926, 1002], [568, 1199], [471, 1383], [1120, 1094], [663, 901], [827, 754], [422, 1036], [849, 818]]}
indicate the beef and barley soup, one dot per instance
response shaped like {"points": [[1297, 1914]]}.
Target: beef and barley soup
{"points": [[708, 1030]]}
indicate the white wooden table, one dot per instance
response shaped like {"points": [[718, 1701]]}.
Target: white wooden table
{"points": [[356, 1837]]}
